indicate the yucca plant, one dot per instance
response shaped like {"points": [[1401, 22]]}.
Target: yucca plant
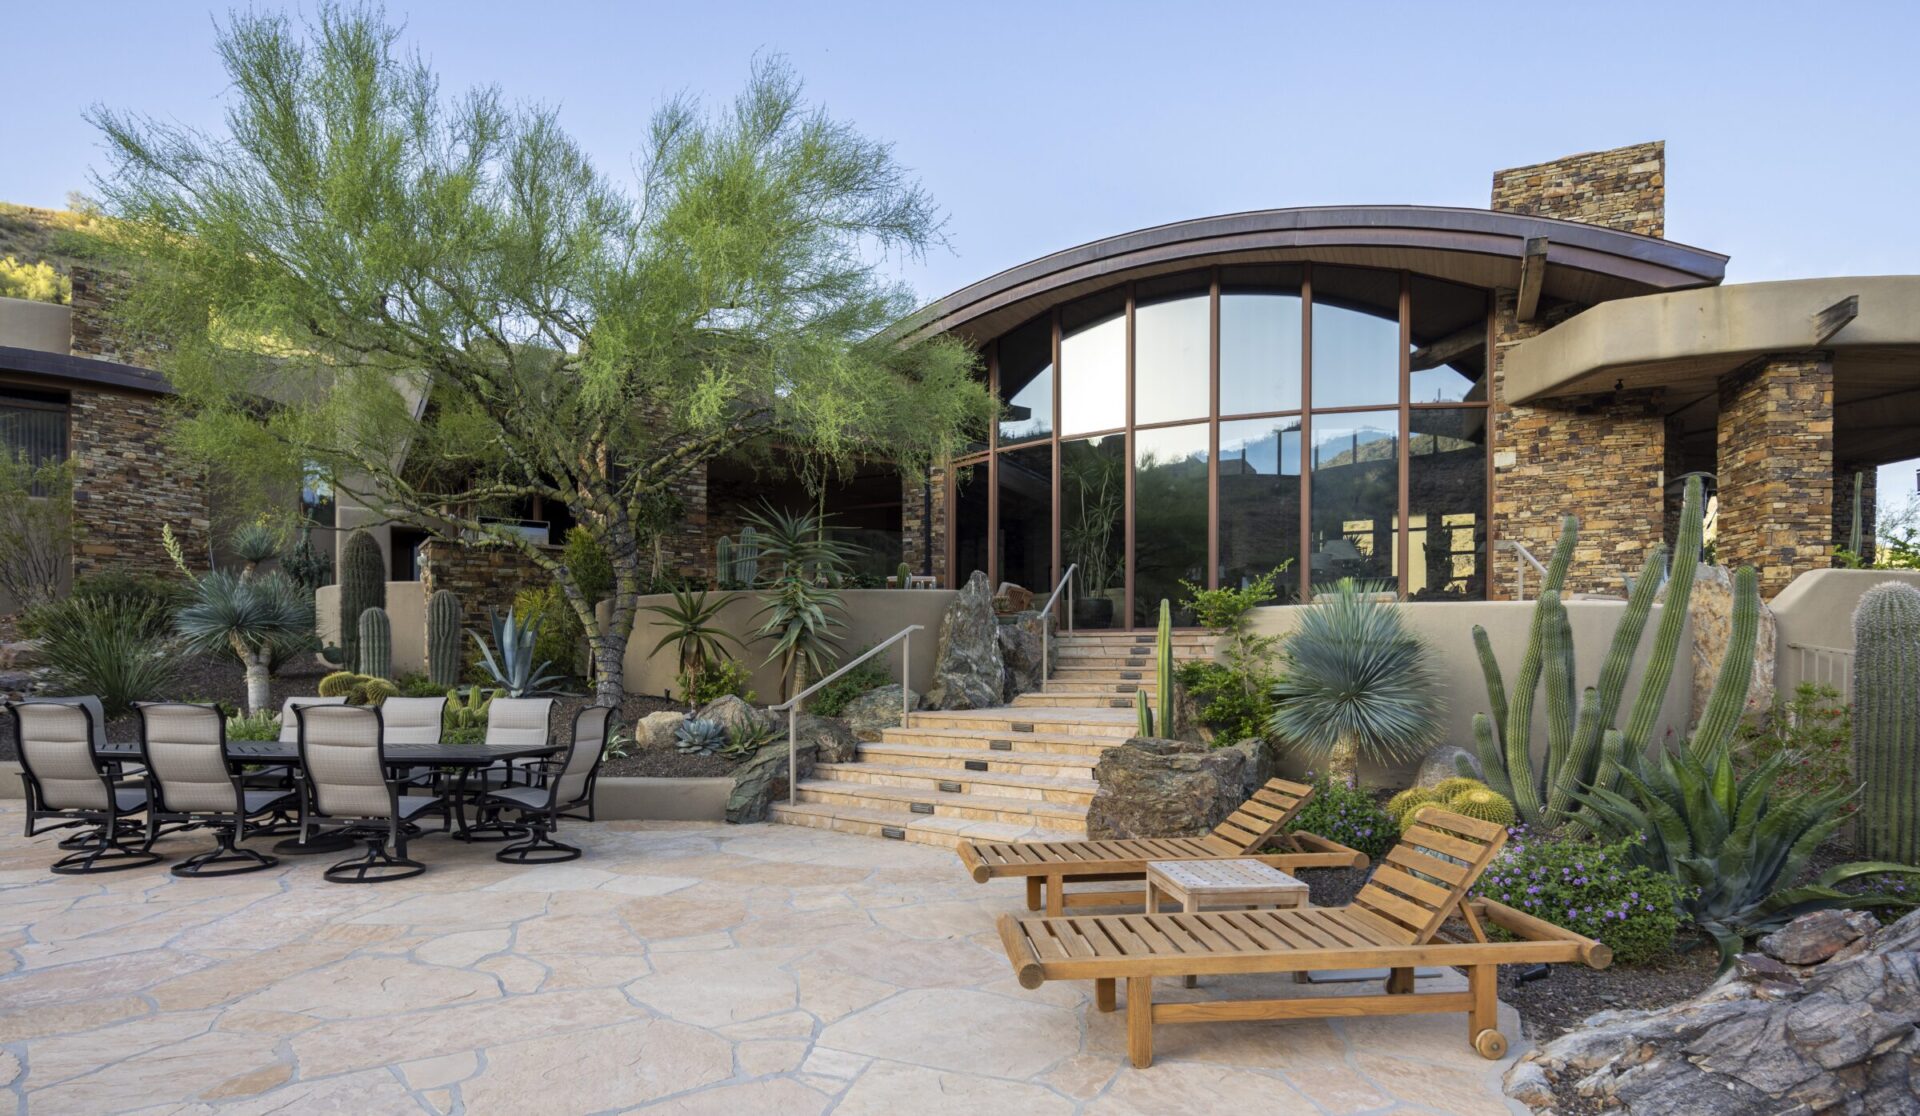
{"points": [[509, 661], [116, 648], [254, 543], [1733, 846], [691, 628], [1357, 684], [250, 616]]}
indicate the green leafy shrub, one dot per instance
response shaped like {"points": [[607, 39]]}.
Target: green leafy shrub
{"points": [[715, 678], [1233, 696], [264, 725], [1595, 890], [1340, 811], [418, 686], [1815, 730], [111, 647], [1228, 701], [836, 695], [561, 638], [587, 559]]}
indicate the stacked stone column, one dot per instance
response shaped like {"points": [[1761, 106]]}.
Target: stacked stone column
{"points": [[923, 523], [1776, 468]]}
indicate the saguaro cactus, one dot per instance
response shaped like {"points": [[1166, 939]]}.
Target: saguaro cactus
{"points": [[363, 585], [376, 644], [1163, 667], [444, 621], [1886, 720]]}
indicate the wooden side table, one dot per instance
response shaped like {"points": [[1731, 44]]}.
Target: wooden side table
{"points": [[1199, 884]]}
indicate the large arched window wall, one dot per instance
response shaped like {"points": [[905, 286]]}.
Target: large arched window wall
{"points": [[1211, 426]]}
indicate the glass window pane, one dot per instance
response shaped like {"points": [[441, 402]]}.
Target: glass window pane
{"points": [[1093, 502], [1356, 493], [969, 522], [1449, 346], [1259, 340], [1447, 497], [1026, 518], [1026, 382], [1170, 526], [1093, 364], [1260, 503], [1170, 350], [1356, 337]]}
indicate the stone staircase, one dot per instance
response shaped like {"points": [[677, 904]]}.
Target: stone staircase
{"points": [[1017, 772]]}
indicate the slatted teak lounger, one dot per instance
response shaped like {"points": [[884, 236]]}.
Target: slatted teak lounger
{"points": [[1049, 866], [1393, 923]]}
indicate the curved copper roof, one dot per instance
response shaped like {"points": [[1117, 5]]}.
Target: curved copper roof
{"points": [[1480, 247]]}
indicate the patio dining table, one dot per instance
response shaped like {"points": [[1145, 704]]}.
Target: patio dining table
{"points": [[463, 759]]}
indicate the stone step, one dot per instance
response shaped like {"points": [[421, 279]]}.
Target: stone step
{"points": [[1074, 699], [1014, 743], [1143, 675], [919, 829], [908, 804], [1069, 764], [1103, 661], [1058, 685], [1109, 635], [1051, 787], [1003, 722]]}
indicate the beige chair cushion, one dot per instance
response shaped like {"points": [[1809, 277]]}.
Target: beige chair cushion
{"points": [[519, 722], [186, 752], [341, 751], [413, 720], [290, 725], [57, 747]]}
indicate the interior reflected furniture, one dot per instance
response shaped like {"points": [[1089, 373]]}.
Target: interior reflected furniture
{"points": [[69, 787], [1197, 885], [195, 785], [560, 784], [1048, 866], [347, 777], [1395, 922]]}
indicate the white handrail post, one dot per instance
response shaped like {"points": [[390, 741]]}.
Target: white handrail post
{"points": [[906, 672]]}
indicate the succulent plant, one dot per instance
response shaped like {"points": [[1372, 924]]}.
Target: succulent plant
{"points": [[1163, 667], [358, 689], [470, 712], [1483, 804], [376, 644], [1145, 712], [363, 585], [444, 621], [1400, 804], [903, 577], [338, 684], [1886, 720], [1447, 788], [699, 736]]}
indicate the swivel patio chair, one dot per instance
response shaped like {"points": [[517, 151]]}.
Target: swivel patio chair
{"points": [[285, 821], [413, 720], [560, 784], [511, 723], [120, 769], [347, 778], [67, 785], [195, 785]]}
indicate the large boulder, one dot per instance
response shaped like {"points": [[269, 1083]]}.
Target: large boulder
{"points": [[764, 777], [967, 672], [1021, 651], [1263, 763], [656, 730], [877, 710], [1441, 764], [1150, 787], [1813, 938], [831, 738], [1710, 611], [735, 715], [1845, 1038]]}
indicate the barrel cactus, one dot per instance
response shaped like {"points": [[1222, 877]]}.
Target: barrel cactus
{"points": [[699, 736], [444, 622], [1886, 720], [338, 684], [363, 585], [1400, 805], [1483, 804], [376, 643]]}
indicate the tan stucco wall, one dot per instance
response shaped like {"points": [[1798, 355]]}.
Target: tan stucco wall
{"points": [[871, 616], [45, 327], [406, 615], [1817, 611], [1447, 628]]}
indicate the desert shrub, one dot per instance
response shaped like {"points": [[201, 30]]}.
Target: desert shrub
{"points": [[418, 686], [561, 639], [1345, 813], [715, 678], [113, 648], [1234, 704], [1595, 890], [1816, 727], [36, 281], [836, 695], [263, 725]]}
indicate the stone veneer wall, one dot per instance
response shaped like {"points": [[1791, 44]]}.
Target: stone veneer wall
{"points": [[128, 483], [914, 519], [484, 577], [1625, 188], [1776, 468]]}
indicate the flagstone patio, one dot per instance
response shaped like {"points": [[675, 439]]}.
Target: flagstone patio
{"points": [[677, 968]]}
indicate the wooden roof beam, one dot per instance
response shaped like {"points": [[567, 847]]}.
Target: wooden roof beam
{"points": [[1834, 318], [1533, 274]]}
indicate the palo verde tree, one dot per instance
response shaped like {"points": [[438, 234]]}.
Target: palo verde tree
{"points": [[452, 310]]}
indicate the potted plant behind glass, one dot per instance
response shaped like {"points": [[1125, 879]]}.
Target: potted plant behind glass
{"points": [[1093, 493]]}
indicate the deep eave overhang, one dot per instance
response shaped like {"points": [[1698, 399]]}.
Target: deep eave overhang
{"points": [[1479, 247], [87, 371]]}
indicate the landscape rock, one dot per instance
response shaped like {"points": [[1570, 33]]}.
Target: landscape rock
{"points": [[656, 730], [1011, 598], [1021, 652], [1152, 787], [877, 710], [968, 670], [734, 714], [1710, 610], [1813, 938], [1263, 763], [831, 738], [1845, 1039], [763, 778], [1439, 765]]}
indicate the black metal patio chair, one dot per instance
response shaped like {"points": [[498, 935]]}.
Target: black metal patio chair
{"points": [[69, 786], [196, 786], [347, 778], [559, 785]]}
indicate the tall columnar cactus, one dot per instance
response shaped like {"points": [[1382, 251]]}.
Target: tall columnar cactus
{"points": [[1163, 667], [723, 561], [444, 623], [363, 585], [1144, 711], [376, 644], [903, 577], [1886, 720], [1585, 749], [746, 561], [1853, 532]]}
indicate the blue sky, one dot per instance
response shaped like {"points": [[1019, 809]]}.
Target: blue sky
{"points": [[1792, 141]]}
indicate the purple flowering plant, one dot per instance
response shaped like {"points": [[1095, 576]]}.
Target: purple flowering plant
{"points": [[1591, 889], [1340, 811]]}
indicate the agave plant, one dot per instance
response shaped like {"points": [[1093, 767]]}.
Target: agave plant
{"points": [[250, 616], [1357, 684], [118, 648], [750, 737], [691, 628], [699, 736], [509, 662], [1733, 846]]}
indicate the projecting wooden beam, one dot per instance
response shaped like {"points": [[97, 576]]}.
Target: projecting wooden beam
{"points": [[1834, 318], [1533, 272], [1447, 349]]}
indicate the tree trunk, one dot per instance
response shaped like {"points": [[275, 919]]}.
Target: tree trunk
{"points": [[1343, 763], [259, 683]]}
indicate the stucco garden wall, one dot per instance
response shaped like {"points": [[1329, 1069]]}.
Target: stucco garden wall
{"points": [[406, 614]]}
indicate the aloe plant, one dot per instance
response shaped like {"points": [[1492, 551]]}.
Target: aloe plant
{"points": [[509, 661], [691, 629]]}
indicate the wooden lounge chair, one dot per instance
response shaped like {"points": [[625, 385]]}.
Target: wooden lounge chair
{"points": [[1393, 923], [1049, 866]]}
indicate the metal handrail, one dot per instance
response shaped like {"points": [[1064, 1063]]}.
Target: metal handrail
{"points": [[792, 704], [1520, 572], [1046, 610]]}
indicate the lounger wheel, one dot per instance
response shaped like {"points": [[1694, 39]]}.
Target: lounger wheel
{"points": [[1491, 1044]]}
